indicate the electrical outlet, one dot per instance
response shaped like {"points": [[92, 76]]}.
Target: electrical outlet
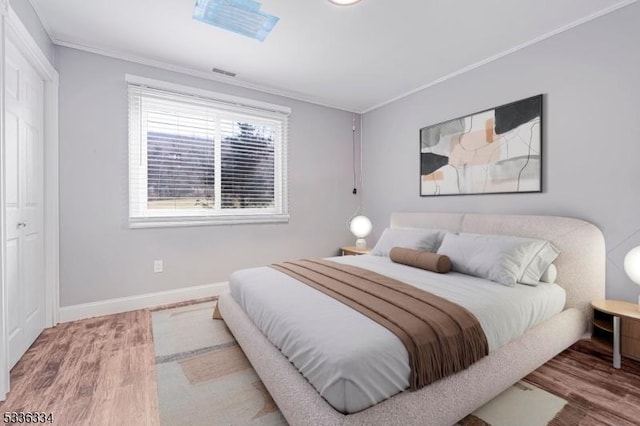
{"points": [[158, 266]]}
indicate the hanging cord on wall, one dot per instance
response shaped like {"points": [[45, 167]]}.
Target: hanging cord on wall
{"points": [[357, 172], [360, 171], [353, 145], [357, 177]]}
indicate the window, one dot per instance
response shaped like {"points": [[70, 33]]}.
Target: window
{"points": [[198, 157]]}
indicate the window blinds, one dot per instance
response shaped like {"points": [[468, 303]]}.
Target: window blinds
{"points": [[193, 158]]}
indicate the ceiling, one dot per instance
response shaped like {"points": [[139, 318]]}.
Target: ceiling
{"points": [[351, 57]]}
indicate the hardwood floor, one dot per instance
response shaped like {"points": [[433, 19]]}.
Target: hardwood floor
{"points": [[99, 371], [598, 394]]}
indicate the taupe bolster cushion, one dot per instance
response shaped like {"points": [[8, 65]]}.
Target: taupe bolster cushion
{"points": [[421, 259]]}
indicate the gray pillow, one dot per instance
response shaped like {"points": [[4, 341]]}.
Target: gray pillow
{"points": [[504, 259], [413, 238]]}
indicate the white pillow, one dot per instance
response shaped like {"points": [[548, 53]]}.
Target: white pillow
{"points": [[413, 238], [550, 274], [501, 258], [542, 259]]}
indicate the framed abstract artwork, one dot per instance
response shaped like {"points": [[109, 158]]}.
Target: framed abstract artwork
{"points": [[490, 152]]}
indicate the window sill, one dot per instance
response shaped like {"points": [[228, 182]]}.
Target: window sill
{"points": [[175, 222]]}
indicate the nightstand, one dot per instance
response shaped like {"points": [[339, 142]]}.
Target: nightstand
{"points": [[616, 326], [353, 251]]}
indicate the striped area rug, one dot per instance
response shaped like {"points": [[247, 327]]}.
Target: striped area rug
{"points": [[203, 376], [205, 379]]}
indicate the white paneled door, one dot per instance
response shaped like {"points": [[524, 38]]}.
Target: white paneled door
{"points": [[24, 202]]}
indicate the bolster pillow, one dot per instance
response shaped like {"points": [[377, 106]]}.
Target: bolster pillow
{"points": [[421, 259]]}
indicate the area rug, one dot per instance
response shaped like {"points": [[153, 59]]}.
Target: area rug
{"points": [[522, 404], [203, 376], [205, 379]]}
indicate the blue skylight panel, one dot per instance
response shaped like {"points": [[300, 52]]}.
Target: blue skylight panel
{"points": [[239, 16]]}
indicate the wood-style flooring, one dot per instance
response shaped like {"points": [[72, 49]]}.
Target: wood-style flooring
{"points": [[598, 394], [101, 371]]}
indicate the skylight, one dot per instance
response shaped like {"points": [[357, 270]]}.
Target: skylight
{"points": [[239, 16]]}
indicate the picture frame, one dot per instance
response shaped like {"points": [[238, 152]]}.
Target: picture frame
{"points": [[495, 151]]}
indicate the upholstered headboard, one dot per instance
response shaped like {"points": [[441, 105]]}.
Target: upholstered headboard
{"points": [[581, 264]]}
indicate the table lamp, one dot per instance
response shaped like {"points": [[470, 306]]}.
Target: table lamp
{"points": [[632, 266], [360, 226]]}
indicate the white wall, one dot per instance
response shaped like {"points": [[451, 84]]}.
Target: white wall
{"points": [[590, 77], [102, 259], [30, 19]]}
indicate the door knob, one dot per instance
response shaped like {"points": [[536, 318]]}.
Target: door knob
{"points": [[21, 225]]}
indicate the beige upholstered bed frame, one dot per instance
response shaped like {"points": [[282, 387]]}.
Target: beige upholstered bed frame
{"points": [[581, 272]]}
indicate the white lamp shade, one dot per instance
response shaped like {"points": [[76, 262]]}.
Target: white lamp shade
{"points": [[632, 265], [360, 226]]}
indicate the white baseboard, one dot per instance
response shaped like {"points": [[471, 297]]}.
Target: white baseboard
{"points": [[125, 304]]}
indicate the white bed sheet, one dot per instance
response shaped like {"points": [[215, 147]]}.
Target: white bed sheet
{"points": [[351, 360]]}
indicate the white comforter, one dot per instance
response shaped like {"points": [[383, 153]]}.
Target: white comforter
{"points": [[354, 362]]}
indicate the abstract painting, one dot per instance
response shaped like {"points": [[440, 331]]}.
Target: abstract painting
{"points": [[490, 152]]}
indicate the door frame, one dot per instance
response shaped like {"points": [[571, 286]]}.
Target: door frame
{"points": [[12, 28]]}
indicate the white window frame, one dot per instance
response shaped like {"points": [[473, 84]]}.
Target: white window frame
{"points": [[141, 217]]}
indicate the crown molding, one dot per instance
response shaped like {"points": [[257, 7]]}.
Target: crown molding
{"points": [[504, 53], [233, 81], [43, 20], [29, 46], [77, 44], [80, 45]]}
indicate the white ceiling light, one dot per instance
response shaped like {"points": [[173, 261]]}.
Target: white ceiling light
{"points": [[344, 2]]}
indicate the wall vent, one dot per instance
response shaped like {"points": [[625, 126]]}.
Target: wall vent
{"points": [[224, 72]]}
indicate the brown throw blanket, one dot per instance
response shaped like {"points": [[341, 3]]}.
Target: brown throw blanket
{"points": [[441, 337]]}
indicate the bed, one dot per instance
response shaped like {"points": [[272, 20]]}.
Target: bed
{"points": [[580, 279]]}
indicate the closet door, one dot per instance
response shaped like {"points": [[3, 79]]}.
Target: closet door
{"points": [[24, 200]]}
